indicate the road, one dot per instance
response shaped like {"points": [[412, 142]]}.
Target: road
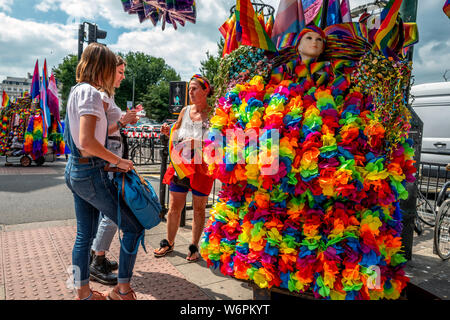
{"points": [[37, 194]]}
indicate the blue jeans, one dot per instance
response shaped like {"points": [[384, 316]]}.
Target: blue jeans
{"points": [[105, 234], [93, 192]]}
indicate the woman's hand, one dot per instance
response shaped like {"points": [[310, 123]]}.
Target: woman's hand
{"points": [[125, 164], [165, 129], [130, 117]]}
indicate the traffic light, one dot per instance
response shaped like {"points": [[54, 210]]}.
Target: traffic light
{"points": [[95, 33], [178, 96], [81, 36]]}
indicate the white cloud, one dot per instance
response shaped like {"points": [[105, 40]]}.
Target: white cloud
{"points": [[5, 5], [182, 53], [27, 41]]}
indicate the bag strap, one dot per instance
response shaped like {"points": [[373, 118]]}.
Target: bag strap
{"points": [[140, 240]]}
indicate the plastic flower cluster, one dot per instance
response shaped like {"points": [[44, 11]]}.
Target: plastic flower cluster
{"points": [[240, 66], [314, 206]]}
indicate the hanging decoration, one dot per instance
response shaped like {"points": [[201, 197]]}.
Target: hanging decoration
{"points": [[167, 11]]}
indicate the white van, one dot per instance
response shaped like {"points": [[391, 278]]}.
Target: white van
{"points": [[431, 102]]}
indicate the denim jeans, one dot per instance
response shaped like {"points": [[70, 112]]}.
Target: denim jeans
{"points": [[105, 234], [93, 192]]}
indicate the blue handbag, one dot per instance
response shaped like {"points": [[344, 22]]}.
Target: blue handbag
{"points": [[142, 200]]}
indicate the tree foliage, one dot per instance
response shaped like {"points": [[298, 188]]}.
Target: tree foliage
{"points": [[65, 74], [151, 77]]}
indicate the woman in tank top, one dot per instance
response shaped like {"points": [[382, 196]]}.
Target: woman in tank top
{"points": [[187, 135]]}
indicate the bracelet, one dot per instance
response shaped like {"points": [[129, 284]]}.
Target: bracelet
{"points": [[119, 124]]}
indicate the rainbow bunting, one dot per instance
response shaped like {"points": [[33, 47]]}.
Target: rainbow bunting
{"points": [[249, 30], [446, 8], [5, 100], [290, 20], [385, 36]]}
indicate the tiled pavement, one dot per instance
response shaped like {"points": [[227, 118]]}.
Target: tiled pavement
{"points": [[35, 260]]}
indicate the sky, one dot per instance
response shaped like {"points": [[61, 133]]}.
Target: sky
{"points": [[48, 29]]}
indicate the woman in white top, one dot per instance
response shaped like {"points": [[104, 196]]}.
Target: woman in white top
{"points": [[85, 134], [101, 268], [189, 130]]}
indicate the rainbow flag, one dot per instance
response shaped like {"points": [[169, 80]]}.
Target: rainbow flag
{"points": [[385, 37], [446, 8], [249, 30], [228, 31], [290, 20], [43, 99], [5, 100], [180, 165], [345, 11], [35, 89], [411, 34]]}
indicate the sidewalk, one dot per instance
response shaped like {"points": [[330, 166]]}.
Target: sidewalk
{"points": [[35, 260]]}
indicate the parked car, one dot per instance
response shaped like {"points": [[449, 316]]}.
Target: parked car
{"points": [[432, 105]]}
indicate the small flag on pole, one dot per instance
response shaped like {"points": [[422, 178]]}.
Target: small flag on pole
{"points": [[249, 30], [34, 91], [345, 11], [446, 8], [290, 20], [5, 99], [385, 38]]}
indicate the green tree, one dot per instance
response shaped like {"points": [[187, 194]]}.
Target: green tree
{"points": [[146, 71], [65, 74], [210, 65]]}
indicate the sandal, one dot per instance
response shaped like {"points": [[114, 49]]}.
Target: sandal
{"points": [[164, 243], [193, 249]]}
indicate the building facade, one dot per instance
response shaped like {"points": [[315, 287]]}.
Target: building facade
{"points": [[15, 87]]}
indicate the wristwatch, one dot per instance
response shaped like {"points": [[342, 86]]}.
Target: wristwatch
{"points": [[119, 125]]}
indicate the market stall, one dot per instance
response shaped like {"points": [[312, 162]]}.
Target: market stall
{"points": [[30, 125]]}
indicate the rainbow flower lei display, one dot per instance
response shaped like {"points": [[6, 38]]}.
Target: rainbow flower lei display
{"points": [[328, 220]]}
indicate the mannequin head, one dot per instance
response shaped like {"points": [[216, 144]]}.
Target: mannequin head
{"points": [[311, 43]]}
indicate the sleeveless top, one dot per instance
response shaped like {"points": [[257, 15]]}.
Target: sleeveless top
{"points": [[192, 129]]}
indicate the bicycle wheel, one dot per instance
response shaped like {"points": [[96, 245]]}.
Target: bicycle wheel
{"points": [[425, 210], [442, 231]]}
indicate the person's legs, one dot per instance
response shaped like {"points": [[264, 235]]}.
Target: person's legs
{"points": [[105, 234], [87, 221], [100, 267], [198, 224], [176, 204], [105, 199]]}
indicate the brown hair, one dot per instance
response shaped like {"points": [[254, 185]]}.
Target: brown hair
{"points": [[200, 79], [120, 61], [97, 67]]}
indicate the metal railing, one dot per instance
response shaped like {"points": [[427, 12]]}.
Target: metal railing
{"points": [[430, 180]]}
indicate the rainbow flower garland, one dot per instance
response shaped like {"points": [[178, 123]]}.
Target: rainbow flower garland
{"points": [[327, 221]]}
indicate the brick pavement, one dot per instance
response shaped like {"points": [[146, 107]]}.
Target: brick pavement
{"points": [[35, 266]]}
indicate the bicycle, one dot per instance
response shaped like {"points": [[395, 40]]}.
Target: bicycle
{"points": [[425, 210], [442, 227]]}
